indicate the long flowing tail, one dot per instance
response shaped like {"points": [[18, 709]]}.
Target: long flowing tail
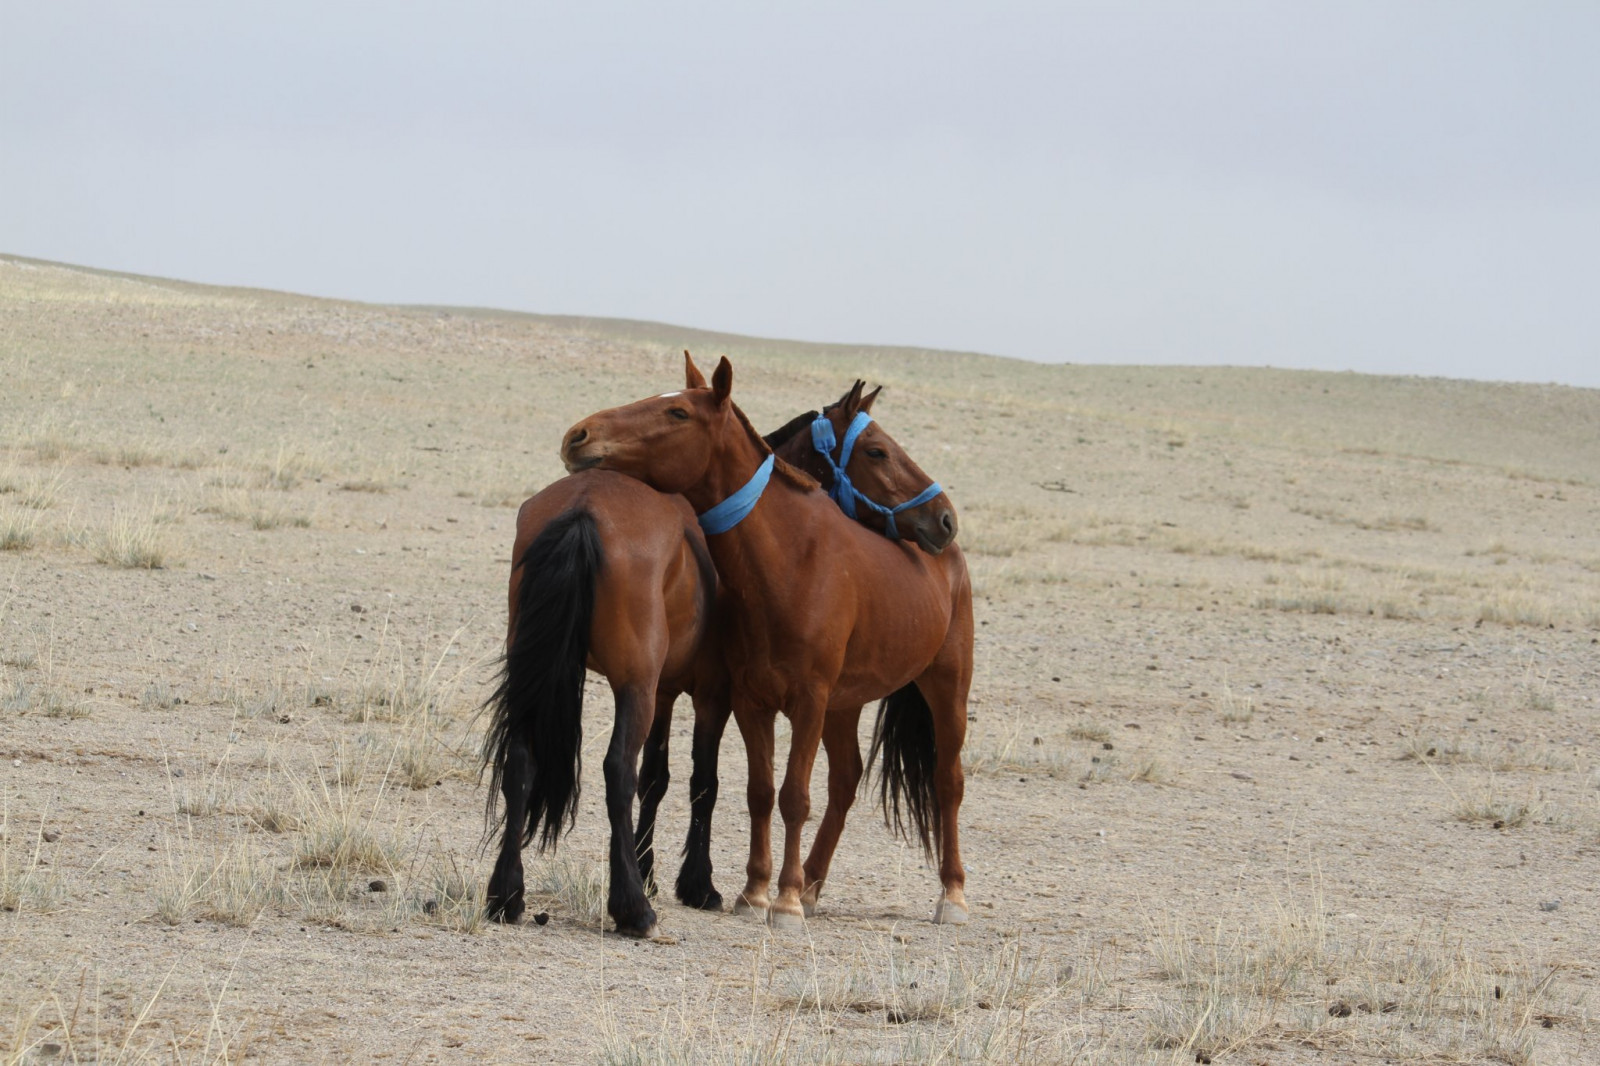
{"points": [[539, 701], [904, 733]]}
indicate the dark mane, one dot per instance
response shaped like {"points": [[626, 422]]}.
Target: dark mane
{"points": [[792, 474], [786, 432]]}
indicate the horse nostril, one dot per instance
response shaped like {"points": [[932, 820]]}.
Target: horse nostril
{"points": [[579, 435], [948, 521]]}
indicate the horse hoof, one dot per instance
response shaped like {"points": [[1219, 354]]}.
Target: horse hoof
{"points": [[643, 926], [744, 906], [708, 899], [638, 932], [785, 921], [949, 913], [506, 912]]}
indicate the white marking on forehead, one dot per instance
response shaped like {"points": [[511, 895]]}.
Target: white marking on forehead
{"points": [[666, 395]]}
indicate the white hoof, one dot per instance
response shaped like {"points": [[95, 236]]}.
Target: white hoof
{"points": [[808, 907], [744, 906], [949, 913], [784, 921]]}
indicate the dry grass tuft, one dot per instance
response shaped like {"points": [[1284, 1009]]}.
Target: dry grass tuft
{"points": [[288, 469], [574, 888], [1497, 811], [228, 881], [1499, 758], [335, 835], [131, 542], [41, 491], [17, 529], [29, 698], [1518, 607], [26, 884], [254, 510], [1018, 754], [1236, 709], [453, 898]]}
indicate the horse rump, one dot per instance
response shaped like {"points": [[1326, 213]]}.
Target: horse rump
{"points": [[904, 734], [538, 704]]}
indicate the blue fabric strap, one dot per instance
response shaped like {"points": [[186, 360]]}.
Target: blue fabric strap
{"points": [[846, 494], [730, 512]]}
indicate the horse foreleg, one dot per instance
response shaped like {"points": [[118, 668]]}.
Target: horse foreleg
{"points": [[654, 777], [839, 740], [756, 726], [504, 899], [806, 718], [626, 902], [711, 710]]}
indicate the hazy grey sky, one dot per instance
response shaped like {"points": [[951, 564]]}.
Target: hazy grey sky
{"points": [[1388, 187]]}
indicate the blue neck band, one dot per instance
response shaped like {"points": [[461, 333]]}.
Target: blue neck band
{"points": [[730, 512], [846, 494]]}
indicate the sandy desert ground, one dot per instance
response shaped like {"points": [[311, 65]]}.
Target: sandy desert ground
{"points": [[1283, 747]]}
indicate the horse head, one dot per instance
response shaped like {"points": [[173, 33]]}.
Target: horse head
{"points": [[870, 475]]}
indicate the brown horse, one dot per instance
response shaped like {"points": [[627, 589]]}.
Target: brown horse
{"points": [[610, 574], [819, 616]]}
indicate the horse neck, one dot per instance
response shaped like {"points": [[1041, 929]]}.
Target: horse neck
{"points": [[800, 453], [734, 460]]}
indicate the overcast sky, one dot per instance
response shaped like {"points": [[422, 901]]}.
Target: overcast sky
{"points": [[1389, 187]]}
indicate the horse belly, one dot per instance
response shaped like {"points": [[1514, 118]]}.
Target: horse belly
{"points": [[888, 650]]}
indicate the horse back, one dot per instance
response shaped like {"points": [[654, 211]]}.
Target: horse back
{"points": [[655, 588]]}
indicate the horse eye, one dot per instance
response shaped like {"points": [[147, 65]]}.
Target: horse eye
{"points": [[877, 453], [679, 413]]}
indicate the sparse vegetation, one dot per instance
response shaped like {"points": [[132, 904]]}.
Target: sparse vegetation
{"points": [[26, 883], [28, 697], [254, 510], [130, 541], [330, 540], [17, 530], [574, 888]]}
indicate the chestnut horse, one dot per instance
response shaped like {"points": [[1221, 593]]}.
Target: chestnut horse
{"points": [[610, 574], [818, 616]]}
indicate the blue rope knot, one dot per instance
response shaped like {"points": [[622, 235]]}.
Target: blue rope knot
{"points": [[845, 494]]}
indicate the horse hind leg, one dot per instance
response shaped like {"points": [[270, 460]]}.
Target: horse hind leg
{"points": [[949, 710], [694, 887], [654, 777], [504, 899], [626, 902], [844, 776]]}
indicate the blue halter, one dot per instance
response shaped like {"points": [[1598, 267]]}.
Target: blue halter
{"points": [[843, 492], [730, 512]]}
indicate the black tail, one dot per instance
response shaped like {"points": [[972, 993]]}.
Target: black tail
{"points": [[904, 733], [539, 701]]}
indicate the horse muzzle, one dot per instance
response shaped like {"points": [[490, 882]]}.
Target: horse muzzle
{"points": [[578, 451], [934, 532]]}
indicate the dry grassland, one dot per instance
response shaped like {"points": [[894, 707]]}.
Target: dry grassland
{"points": [[1282, 749]]}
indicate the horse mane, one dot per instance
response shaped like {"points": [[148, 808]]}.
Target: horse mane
{"points": [[792, 474], [787, 432]]}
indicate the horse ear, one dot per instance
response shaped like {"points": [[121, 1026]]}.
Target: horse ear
{"points": [[693, 379], [852, 400], [722, 382], [866, 401]]}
